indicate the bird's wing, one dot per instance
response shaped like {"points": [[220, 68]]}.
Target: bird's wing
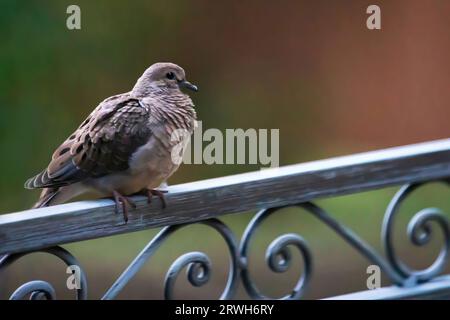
{"points": [[102, 144]]}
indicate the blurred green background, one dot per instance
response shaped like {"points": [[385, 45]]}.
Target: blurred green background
{"points": [[310, 68]]}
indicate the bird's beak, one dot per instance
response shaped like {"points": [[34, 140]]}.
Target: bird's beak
{"points": [[188, 85]]}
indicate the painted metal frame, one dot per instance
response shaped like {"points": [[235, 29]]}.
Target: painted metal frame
{"points": [[269, 191]]}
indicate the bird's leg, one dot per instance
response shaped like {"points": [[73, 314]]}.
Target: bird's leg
{"points": [[125, 201], [153, 192]]}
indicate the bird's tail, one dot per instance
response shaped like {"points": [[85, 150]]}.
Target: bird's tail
{"points": [[46, 197]]}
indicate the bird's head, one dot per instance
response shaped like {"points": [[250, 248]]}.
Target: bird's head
{"points": [[163, 76]]}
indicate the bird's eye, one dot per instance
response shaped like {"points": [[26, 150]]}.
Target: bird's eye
{"points": [[170, 75]]}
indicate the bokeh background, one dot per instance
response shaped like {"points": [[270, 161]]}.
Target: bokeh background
{"points": [[310, 68]]}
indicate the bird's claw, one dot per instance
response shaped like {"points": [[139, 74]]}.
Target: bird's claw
{"points": [[153, 192], [125, 202]]}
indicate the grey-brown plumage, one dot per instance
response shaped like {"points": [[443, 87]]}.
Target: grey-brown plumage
{"points": [[124, 146]]}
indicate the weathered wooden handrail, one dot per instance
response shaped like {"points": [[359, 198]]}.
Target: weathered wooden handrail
{"points": [[269, 190], [195, 201]]}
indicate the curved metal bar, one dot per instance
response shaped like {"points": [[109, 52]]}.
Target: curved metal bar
{"points": [[278, 254], [199, 265], [37, 289], [278, 257], [43, 287], [279, 250], [198, 271], [419, 231]]}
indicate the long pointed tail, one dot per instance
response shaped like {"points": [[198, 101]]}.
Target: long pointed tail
{"points": [[47, 195]]}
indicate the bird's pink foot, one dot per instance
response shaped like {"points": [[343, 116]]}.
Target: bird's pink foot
{"points": [[125, 202], [153, 192]]}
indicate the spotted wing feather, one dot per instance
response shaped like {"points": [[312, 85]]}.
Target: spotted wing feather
{"points": [[102, 144]]}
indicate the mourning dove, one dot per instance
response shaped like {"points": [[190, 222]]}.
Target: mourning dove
{"points": [[125, 145]]}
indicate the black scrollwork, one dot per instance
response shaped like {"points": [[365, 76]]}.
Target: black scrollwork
{"points": [[197, 263], [278, 251], [419, 232], [278, 257], [198, 271], [278, 254], [38, 289]]}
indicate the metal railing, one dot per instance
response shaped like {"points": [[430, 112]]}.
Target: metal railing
{"points": [[269, 190]]}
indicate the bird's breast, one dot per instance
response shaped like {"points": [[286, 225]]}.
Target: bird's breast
{"points": [[153, 159], [149, 166]]}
